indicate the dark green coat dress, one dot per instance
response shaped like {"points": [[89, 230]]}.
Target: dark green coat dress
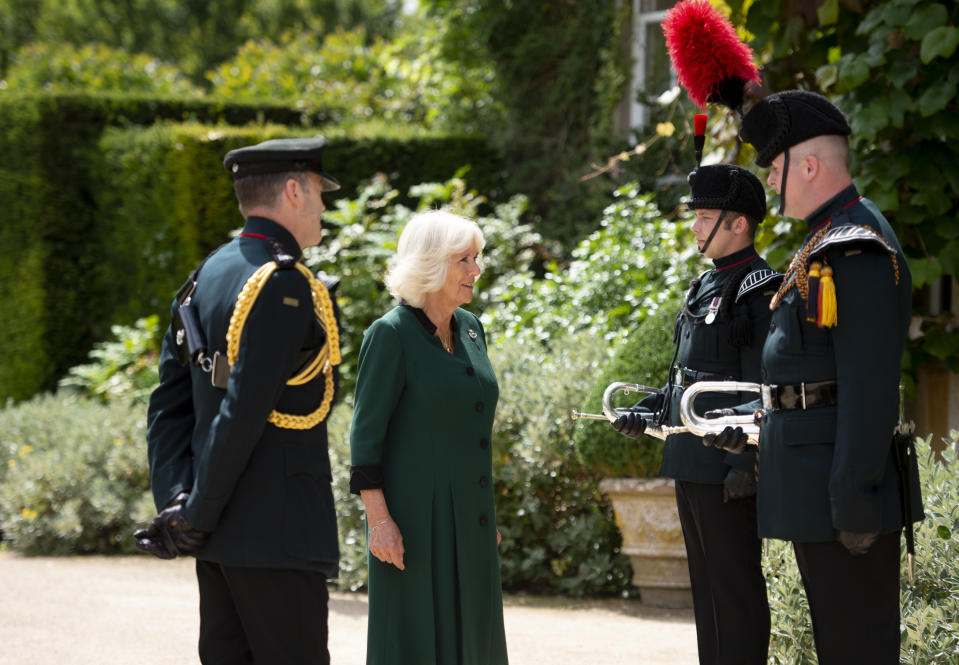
{"points": [[263, 492], [422, 426], [724, 347], [831, 468]]}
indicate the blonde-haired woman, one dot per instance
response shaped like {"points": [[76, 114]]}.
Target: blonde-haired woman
{"points": [[421, 458]]}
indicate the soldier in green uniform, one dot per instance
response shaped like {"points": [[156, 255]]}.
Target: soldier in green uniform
{"points": [[828, 477], [718, 336], [239, 465]]}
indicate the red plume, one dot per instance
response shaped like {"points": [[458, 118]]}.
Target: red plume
{"points": [[710, 60]]}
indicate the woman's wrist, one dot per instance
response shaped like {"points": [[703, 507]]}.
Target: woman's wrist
{"points": [[378, 523]]}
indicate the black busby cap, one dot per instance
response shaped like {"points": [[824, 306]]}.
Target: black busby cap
{"points": [[727, 187], [279, 156], [784, 119]]}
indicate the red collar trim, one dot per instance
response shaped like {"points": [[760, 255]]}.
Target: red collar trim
{"points": [[828, 219], [738, 263]]}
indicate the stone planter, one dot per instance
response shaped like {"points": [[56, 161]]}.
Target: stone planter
{"points": [[652, 538]]}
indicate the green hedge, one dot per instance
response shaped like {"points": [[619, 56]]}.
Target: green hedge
{"points": [[107, 210]]}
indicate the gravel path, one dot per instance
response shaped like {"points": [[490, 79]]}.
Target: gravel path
{"points": [[142, 611]]}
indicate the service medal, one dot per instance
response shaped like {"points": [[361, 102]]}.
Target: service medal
{"points": [[713, 309]]}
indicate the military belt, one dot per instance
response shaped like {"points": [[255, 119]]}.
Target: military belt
{"points": [[799, 395], [686, 377]]}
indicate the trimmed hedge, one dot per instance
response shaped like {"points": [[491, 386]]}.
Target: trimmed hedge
{"points": [[109, 204]]}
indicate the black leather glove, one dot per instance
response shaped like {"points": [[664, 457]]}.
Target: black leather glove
{"points": [[857, 543], [170, 534], [631, 424], [731, 439], [738, 484]]}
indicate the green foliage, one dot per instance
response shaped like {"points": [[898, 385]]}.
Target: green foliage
{"points": [[558, 531], [92, 68], [123, 368], [642, 358], [635, 263], [350, 514], [554, 63], [893, 67], [352, 79], [194, 34], [929, 629], [74, 479]]}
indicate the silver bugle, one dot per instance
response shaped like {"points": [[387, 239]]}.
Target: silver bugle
{"points": [[701, 426], [611, 413]]}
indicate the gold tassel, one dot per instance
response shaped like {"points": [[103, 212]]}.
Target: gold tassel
{"points": [[827, 299], [812, 294]]}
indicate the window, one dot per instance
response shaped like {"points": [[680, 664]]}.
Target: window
{"points": [[652, 70]]}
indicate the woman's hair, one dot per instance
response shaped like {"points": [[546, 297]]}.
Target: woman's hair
{"points": [[422, 257]]}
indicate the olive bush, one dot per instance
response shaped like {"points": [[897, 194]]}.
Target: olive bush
{"points": [[74, 476]]}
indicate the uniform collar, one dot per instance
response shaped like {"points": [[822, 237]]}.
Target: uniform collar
{"points": [[843, 199], [736, 258], [261, 227], [425, 320]]}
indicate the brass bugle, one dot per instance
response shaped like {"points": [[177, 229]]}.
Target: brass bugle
{"points": [[611, 413], [701, 426]]}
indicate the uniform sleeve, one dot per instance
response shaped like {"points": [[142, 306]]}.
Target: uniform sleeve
{"points": [[867, 356], [380, 378], [170, 422], [274, 333], [750, 363]]}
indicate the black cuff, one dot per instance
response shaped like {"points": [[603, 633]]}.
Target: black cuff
{"points": [[368, 477]]}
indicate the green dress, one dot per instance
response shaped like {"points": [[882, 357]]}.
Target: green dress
{"points": [[422, 426]]}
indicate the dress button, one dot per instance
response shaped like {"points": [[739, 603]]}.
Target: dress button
{"points": [[469, 371], [687, 334], [484, 443], [772, 326], [479, 406], [484, 481], [483, 521]]}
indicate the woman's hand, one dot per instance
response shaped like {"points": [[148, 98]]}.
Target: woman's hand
{"points": [[386, 542]]}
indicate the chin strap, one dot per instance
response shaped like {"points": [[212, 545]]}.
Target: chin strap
{"points": [[709, 238], [782, 184]]}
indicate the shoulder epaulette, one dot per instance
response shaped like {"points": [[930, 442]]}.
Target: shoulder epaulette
{"points": [[756, 280], [841, 235]]}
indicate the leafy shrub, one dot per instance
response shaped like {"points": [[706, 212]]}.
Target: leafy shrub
{"points": [[929, 628], [350, 514], [353, 78], [76, 479], [123, 368], [642, 358], [559, 535], [59, 67], [636, 262]]}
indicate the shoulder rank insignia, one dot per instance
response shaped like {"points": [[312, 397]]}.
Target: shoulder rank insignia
{"points": [[756, 280], [840, 235]]}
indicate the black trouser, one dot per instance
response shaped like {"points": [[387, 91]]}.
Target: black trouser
{"points": [[266, 616], [854, 600], [725, 570]]}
